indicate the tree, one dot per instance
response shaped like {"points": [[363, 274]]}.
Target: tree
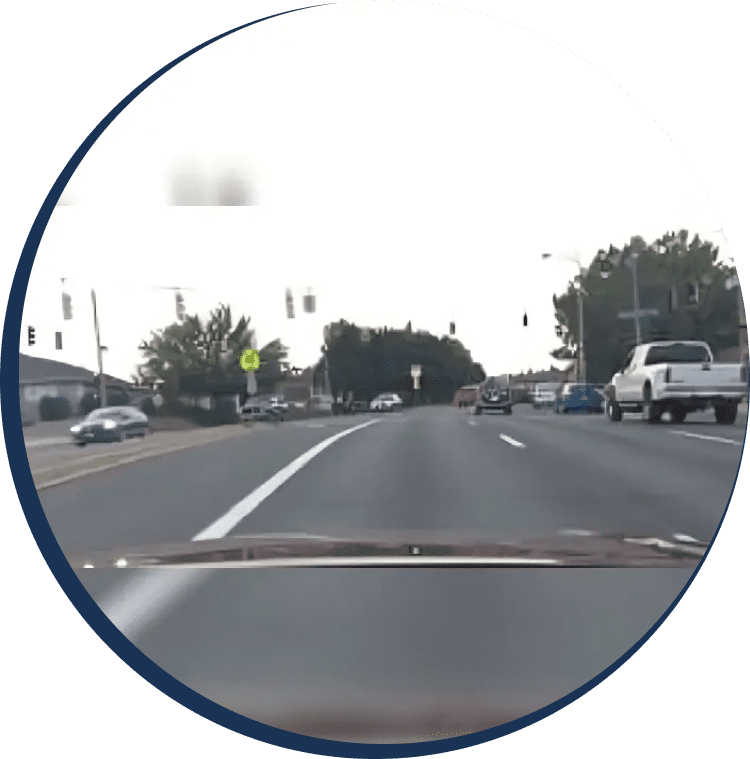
{"points": [[274, 367], [680, 278], [192, 349], [384, 363]]}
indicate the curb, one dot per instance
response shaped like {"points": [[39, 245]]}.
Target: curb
{"points": [[234, 431]]}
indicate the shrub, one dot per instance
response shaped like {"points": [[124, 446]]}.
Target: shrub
{"points": [[88, 404], [53, 408]]}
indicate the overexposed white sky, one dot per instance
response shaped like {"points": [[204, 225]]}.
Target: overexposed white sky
{"points": [[408, 163]]}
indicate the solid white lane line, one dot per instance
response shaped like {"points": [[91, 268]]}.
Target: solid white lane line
{"points": [[137, 604], [249, 503], [707, 437], [512, 441]]}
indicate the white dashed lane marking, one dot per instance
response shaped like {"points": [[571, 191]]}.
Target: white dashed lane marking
{"points": [[511, 441]]}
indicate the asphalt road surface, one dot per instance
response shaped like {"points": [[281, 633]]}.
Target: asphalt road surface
{"points": [[527, 475], [399, 655]]}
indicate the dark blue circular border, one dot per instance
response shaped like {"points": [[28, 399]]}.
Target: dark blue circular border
{"points": [[71, 585]]}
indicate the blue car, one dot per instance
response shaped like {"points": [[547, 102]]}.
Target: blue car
{"points": [[579, 398]]}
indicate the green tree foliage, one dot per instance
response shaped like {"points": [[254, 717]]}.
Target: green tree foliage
{"points": [[383, 364], [274, 367], [679, 277], [192, 349]]}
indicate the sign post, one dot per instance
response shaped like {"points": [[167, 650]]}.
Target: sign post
{"points": [[636, 315], [416, 374]]}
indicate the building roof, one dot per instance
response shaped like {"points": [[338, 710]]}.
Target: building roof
{"points": [[35, 369]]}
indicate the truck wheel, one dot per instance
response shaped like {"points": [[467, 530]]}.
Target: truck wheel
{"points": [[477, 410], [726, 413], [614, 411], [678, 415], [651, 412], [509, 410]]}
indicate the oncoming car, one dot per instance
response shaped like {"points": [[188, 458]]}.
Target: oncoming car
{"points": [[495, 395], [106, 425]]}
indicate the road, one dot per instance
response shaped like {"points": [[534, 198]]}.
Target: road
{"points": [[527, 475], [398, 655]]}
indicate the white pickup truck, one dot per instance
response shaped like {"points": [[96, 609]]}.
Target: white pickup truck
{"points": [[676, 377]]}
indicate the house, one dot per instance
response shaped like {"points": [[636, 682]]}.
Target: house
{"points": [[298, 389], [525, 382], [40, 378]]}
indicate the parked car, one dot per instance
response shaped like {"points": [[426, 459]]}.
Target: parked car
{"points": [[579, 398], [254, 410], [113, 423], [676, 377], [279, 404], [386, 402]]}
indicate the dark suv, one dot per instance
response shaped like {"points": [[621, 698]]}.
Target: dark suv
{"points": [[494, 395]]}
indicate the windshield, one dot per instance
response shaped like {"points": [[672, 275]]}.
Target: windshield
{"points": [[104, 414], [425, 225], [677, 354]]}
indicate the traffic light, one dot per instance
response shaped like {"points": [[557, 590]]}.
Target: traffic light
{"points": [[308, 303], [289, 304], [180, 305], [558, 330], [67, 307], [58, 341], [525, 320], [32, 336], [452, 328]]}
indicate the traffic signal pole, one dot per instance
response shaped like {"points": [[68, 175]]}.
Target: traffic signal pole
{"points": [[102, 382]]}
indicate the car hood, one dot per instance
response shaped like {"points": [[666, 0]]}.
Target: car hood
{"points": [[568, 548]]}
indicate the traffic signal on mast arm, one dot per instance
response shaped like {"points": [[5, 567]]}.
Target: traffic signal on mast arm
{"points": [[452, 329], [525, 320], [32, 336], [67, 307], [180, 305], [289, 304]]}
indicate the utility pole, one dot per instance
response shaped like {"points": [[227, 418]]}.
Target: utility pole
{"points": [[636, 299], [102, 382], [581, 367], [580, 361]]}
